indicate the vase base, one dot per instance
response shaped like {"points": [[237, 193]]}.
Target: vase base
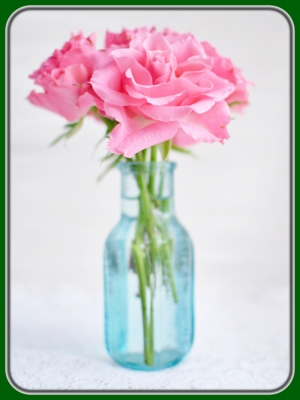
{"points": [[162, 360]]}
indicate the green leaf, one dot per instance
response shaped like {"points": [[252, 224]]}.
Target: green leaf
{"points": [[73, 128], [94, 110], [234, 103], [183, 150], [164, 149], [109, 167], [106, 157], [99, 142], [110, 123], [97, 145]]}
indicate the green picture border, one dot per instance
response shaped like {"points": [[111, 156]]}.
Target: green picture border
{"points": [[7, 10]]}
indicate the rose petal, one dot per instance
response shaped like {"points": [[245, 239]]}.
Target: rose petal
{"points": [[181, 139], [89, 99], [63, 101], [107, 84], [199, 104], [210, 126], [221, 87], [148, 136], [165, 113], [135, 133], [131, 59], [194, 64], [157, 94], [186, 46], [156, 42], [79, 73]]}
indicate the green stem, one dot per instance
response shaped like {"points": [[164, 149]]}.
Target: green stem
{"points": [[144, 155], [161, 185], [151, 184], [151, 331], [153, 153], [166, 252], [152, 255], [148, 335], [143, 261], [146, 209]]}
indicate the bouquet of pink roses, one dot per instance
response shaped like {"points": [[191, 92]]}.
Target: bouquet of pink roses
{"points": [[156, 92]]}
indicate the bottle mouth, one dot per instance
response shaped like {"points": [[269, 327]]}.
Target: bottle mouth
{"points": [[146, 166]]}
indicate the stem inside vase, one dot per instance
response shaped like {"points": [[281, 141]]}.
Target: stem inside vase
{"points": [[152, 247]]}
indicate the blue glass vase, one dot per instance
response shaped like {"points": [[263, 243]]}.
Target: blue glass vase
{"points": [[148, 273]]}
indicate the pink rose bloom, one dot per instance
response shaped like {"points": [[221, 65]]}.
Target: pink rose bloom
{"points": [[162, 86], [224, 68], [123, 38], [64, 78]]}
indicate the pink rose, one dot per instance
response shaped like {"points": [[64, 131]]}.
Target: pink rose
{"points": [[123, 38], [64, 78], [161, 86], [224, 68]]}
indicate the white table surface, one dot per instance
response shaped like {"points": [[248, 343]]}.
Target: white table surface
{"points": [[241, 343]]}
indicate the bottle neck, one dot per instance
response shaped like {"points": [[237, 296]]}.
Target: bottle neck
{"points": [[130, 207], [147, 188]]}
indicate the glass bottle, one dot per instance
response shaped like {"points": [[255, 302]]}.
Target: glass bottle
{"points": [[148, 273]]}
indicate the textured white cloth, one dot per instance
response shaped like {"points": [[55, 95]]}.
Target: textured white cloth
{"points": [[241, 342]]}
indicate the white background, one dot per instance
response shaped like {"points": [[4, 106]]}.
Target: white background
{"points": [[233, 200]]}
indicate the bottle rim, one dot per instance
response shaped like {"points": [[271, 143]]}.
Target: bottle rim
{"points": [[146, 165]]}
